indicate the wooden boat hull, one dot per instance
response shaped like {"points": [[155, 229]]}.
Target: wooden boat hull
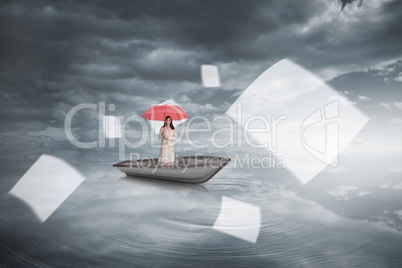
{"points": [[189, 169]]}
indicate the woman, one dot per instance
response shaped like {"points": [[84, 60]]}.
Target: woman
{"points": [[168, 135]]}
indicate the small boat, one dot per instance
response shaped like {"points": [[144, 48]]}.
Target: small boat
{"points": [[190, 169]]}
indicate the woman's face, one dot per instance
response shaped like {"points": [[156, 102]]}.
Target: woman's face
{"points": [[168, 121]]}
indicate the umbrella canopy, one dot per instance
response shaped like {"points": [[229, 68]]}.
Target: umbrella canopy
{"points": [[159, 112]]}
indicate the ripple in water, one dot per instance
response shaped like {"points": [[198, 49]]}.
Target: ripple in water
{"points": [[125, 222]]}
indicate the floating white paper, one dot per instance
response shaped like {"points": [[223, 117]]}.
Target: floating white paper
{"points": [[309, 123], [210, 76], [239, 219], [46, 185]]}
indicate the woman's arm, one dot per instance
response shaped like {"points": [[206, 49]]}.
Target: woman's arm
{"points": [[174, 136], [160, 134]]}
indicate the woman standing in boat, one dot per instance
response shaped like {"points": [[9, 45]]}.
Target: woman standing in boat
{"points": [[168, 135]]}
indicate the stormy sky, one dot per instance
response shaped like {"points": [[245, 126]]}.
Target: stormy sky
{"points": [[55, 55], [58, 54]]}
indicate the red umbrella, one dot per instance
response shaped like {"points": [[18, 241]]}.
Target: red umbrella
{"points": [[159, 112]]}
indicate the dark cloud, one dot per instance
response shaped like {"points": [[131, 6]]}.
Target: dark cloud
{"points": [[346, 2]]}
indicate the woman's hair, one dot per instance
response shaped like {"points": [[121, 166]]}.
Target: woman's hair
{"points": [[171, 122]]}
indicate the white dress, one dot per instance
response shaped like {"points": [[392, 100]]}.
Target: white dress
{"points": [[166, 153]]}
